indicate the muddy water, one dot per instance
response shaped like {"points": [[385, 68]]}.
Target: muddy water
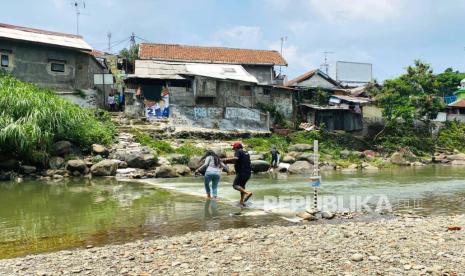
{"points": [[46, 216]]}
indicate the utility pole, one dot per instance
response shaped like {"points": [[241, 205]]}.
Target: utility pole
{"points": [[77, 7], [132, 41], [325, 65], [283, 40], [109, 41]]}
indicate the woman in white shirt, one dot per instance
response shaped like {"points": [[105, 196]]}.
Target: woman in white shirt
{"points": [[214, 166]]}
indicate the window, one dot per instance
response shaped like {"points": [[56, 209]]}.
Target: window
{"points": [[266, 91], [245, 91], [5, 60], [58, 67]]}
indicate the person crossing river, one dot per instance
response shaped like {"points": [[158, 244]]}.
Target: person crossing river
{"points": [[243, 169]]}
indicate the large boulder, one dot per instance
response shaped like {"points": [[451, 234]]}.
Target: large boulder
{"points": [[369, 153], [78, 166], [165, 172], [182, 169], [398, 158], [28, 169], [101, 150], [259, 166], [219, 151], [56, 162], [178, 159], [104, 168], [454, 157], [458, 163], [301, 167], [305, 157], [289, 159], [9, 165], [141, 161], [300, 147], [283, 167], [6, 176], [194, 162], [257, 157], [62, 148]]}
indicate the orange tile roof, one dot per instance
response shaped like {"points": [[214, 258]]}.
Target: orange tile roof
{"points": [[458, 103], [175, 52], [301, 78]]}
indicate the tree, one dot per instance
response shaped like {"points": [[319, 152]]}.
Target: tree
{"points": [[449, 80], [412, 96], [131, 54]]}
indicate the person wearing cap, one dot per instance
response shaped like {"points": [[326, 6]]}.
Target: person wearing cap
{"points": [[243, 169]]}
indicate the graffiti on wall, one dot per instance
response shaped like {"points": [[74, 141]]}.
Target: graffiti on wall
{"points": [[207, 112], [242, 113], [160, 109]]}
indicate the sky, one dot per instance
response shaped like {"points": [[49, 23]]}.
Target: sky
{"points": [[390, 34]]}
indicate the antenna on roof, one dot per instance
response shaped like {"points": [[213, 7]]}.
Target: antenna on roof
{"points": [[325, 65], [78, 5], [283, 40], [109, 41]]}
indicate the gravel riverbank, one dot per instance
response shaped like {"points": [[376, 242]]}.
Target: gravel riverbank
{"points": [[402, 246]]}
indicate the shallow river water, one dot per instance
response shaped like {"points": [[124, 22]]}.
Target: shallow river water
{"points": [[45, 216]]}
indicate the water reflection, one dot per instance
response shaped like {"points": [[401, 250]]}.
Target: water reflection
{"points": [[40, 216], [211, 209]]}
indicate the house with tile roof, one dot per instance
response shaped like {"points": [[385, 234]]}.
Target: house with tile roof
{"points": [[455, 110], [59, 61], [209, 87]]}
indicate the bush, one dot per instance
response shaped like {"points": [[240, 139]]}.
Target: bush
{"points": [[159, 145], [264, 144], [32, 118], [452, 136], [189, 150], [403, 135]]}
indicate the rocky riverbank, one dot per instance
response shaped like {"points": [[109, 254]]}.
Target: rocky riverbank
{"points": [[400, 246], [134, 157]]}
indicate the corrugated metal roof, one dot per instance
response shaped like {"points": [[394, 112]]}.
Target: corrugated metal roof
{"points": [[175, 70], [327, 107], [352, 99], [159, 70], [43, 37], [220, 71]]}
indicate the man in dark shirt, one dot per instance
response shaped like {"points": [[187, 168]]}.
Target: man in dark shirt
{"points": [[274, 157], [243, 171]]}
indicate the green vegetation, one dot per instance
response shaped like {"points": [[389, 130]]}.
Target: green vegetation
{"points": [[131, 54], [32, 118], [276, 115], [188, 149], [410, 103], [410, 97], [449, 80], [452, 136], [160, 146]]}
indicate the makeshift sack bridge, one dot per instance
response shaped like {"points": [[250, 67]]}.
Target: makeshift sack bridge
{"points": [[315, 178]]}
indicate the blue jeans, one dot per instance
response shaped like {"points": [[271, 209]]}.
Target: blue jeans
{"points": [[214, 178]]}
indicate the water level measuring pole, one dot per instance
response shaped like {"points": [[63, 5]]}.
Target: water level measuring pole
{"points": [[315, 178]]}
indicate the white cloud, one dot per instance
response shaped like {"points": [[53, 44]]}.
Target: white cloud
{"points": [[366, 10], [238, 36]]}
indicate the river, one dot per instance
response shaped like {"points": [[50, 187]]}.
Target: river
{"points": [[47, 216]]}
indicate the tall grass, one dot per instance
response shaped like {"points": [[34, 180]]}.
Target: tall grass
{"points": [[32, 118]]}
